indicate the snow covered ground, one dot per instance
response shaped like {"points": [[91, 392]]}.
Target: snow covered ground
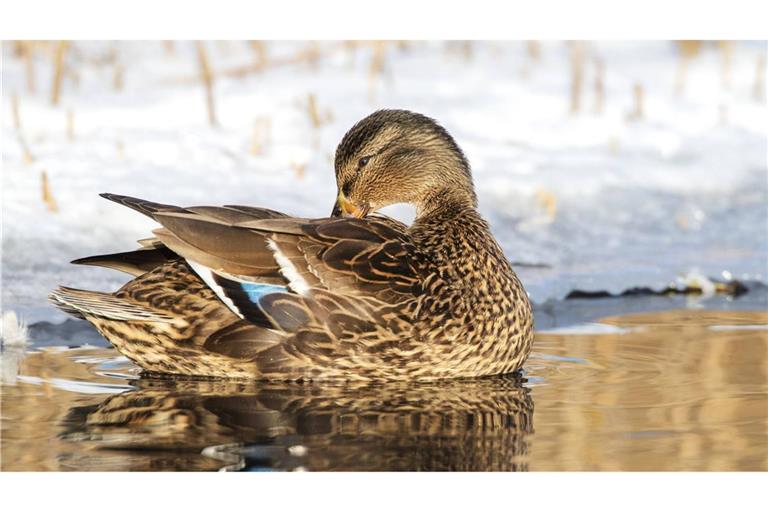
{"points": [[602, 200]]}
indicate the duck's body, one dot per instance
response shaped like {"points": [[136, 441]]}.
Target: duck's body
{"points": [[243, 292]]}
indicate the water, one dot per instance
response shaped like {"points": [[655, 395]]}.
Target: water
{"points": [[676, 390]]}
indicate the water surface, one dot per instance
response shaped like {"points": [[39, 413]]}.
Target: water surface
{"points": [[677, 390]]}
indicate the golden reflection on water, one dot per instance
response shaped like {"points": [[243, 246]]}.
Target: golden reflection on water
{"points": [[681, 390]]}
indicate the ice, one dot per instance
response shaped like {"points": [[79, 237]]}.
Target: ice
{"points": [[595, 201]]}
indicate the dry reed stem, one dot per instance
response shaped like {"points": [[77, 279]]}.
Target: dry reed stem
{"points": [[351, 48], [117, 77], [638, 95], [578, 54], [48, 198], [262, 135], [29, 65], [120, 147], [28, 158], [376, 68], [260, 56], [312, 55], [599, 85], [726, 61], [207, 78], [688, 51], [758, 89], [548, 201], [58, 71], [316, 117], [70, 125], [118, 70], [467, 50], [689, 48], [533, 49], [299, 169]]}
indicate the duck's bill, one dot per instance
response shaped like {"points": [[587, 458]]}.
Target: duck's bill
{"points": [[346, 208]]}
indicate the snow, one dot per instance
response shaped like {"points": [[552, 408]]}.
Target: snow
{"points": [[599, 200]]}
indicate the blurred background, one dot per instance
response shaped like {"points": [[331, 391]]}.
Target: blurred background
{"points": [[603, 167]]}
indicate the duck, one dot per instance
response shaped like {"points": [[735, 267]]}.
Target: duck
{"points": [[241, 292]]}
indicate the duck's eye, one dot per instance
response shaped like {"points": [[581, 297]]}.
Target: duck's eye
{"points": [[363, 161]]}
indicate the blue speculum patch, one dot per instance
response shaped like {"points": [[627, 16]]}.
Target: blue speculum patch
{"points": [[256, 291]]}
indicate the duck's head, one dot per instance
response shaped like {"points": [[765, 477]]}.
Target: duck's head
{"points": [[397, 156]]}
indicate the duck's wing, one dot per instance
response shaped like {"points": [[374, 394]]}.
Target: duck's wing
{"points": [[328, 267], [154, 252]]}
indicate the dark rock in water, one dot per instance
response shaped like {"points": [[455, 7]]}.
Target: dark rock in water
{"points": [[730, 288]]}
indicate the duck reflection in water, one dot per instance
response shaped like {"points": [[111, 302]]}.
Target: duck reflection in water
{"points": [[464, 425]]}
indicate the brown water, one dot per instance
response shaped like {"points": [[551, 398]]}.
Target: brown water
{"points": [[681, 390]]}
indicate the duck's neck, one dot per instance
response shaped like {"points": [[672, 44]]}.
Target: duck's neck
{"points": [[444, 203], [448, 219]]}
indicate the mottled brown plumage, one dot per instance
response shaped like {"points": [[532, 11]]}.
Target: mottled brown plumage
{"points": [[245, 292]]}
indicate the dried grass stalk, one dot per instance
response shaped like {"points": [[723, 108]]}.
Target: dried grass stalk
{"points": [[533, 49], [27, 53], [548, 202], [758, 89], [467, 50], [58, 71], [118, 75], [689, 48], [28, 158], [599, 85], [262, 135], [688, 51], [726, 61], [48, 198], [312, 55], [376, 69], [316, 117], [638, 111], [299, 169], [260, 55], [207, 78], [120, 147], [578, 55]]}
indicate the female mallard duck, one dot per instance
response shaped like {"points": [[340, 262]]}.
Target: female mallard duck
{"points": [[244, 292]]}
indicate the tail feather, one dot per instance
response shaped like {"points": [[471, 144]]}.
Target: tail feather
{"points": [[148, 208], [82, 303], [135, 263]]}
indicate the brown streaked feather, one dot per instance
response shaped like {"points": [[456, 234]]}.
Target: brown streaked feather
{"points": [[106, 305], [242, 340], [242, 247]]}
